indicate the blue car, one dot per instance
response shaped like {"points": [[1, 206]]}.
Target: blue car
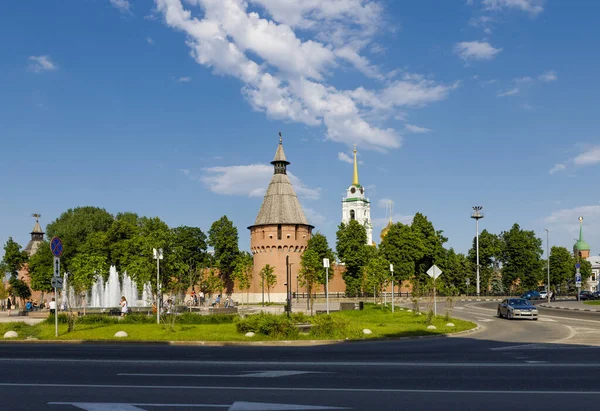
{"points": [[531, 295]]}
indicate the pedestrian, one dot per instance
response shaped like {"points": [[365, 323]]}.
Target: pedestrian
{"points": [[217, 300], [201, 295], [52, 306], [124, 308], [9, 306]]}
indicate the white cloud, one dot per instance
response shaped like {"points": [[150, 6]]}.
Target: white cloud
{"points": [[150, 40], [285, 75], [589, 157], [150, 17], [122, 5], [416, 129], [314, 217], [345, 158], [41, 63], [383, 202], [548, 76], [557, 168], [476, 50], [570, 215], [382, 222], [511, 92], [248, 180], [533, 7], [184, 79]]}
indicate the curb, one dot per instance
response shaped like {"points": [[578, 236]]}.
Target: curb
{"points": [[569, 308]]}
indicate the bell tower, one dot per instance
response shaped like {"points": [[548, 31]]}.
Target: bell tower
{"points": [[355, 206]]}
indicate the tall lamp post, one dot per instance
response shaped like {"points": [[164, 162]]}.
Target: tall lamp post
{"points": [[326, 265], [477, 216], [548, 262], [392, 275], [158, 255]]}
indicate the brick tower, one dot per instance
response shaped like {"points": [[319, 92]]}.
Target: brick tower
{"points": [[280, 230]]}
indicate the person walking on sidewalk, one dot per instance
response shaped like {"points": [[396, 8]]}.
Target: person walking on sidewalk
{"points": [[9, 306]]}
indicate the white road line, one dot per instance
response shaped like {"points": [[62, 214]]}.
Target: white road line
{"points": [[122, 387], [249, 374], [236, 406], [368, 364]]}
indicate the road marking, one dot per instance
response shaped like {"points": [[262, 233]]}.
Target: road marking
{"points": [[485, 320], [236, 406], [309, 389], [258, 374], [536, 362]]}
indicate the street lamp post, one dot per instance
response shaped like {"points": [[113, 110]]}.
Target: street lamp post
{"points": [[477, 216], [326, 265], [548, 263], [392, 275], [158, 255]]}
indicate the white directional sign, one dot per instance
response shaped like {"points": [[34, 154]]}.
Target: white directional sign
{"points": [[57, 282], [57, 267], [434, 272], [326, 262]]}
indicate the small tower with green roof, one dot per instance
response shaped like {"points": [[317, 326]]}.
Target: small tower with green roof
{"points": [[581, 248]]}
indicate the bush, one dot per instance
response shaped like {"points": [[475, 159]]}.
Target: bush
{"points": [[278, 326], [136, 318], [62, 319], [326, 326], [191, 318]]}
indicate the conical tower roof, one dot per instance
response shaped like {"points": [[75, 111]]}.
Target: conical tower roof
{"points": [[280, 204], [37, 237]]}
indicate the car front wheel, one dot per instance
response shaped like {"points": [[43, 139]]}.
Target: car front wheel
{"points": [[499, 313], [509, 315]]}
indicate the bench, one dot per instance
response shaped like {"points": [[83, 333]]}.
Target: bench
{"points": [[223, 310]]}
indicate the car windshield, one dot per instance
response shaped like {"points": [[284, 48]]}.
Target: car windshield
{"points": [[518, 301]]}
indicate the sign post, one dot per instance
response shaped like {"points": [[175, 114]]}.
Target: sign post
{"points": [[467, 281], [392, 275], [434, 272], [56, 246], [577, 278], [158, 255], [326, 265]]}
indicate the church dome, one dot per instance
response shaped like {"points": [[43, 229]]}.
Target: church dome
{"points": [[385, 230], [581, 245]]}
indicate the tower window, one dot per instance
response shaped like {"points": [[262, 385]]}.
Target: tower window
{"points": [[296, 232], [351, 214], [279, 231], [263, 236]]}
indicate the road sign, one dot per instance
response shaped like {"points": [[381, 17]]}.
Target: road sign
{"points": [[56, 246], [326, 262], [56, 267], [468, 281], [578, 265], [57, 282], [434, 272]]}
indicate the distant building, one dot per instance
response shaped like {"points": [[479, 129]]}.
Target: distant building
{"points": [[355, 206], [593, 283], [581, 250]]}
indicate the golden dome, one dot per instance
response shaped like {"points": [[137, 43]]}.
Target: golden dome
{"points": [[385, 230]]}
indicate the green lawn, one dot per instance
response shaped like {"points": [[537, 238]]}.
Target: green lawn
{"points": [[379, 320], [593, 302]]}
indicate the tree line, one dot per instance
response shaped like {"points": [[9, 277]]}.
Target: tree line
{"points": [[94, 240]]}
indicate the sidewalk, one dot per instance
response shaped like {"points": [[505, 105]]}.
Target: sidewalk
{"points": [[4, 318], [571, 304]]}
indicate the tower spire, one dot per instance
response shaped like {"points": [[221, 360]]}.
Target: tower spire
{"points": [[580, 228], [355, 176]]}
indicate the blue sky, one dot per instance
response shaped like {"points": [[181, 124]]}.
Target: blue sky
{"points": [[172, 108]]}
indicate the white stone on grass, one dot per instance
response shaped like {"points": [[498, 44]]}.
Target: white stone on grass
{"points": [[11, 334], [431, 327], [367, 331], [410, 311], [120, 334], [449, 325], [250, 334]]}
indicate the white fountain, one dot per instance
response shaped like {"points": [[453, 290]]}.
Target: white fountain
{"points": [[108, 294]]}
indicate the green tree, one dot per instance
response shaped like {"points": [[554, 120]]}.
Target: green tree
{"points": [[212, 282], [521, 258], [376, 274], [223, 238], [14, 258], [402, 247], [19, 289], [41, 268], [74, 226], [310, 272], [268, 279], [85, 269], [350, 247], [242, 273], [191, 243], [3, 290], [490, 248], [457, 268], [562, 267], [433, 248]]}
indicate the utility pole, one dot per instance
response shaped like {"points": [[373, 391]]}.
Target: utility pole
{"points": [[326, 265], [477, 216], [392, 272], [158, 255], [548, 263]]}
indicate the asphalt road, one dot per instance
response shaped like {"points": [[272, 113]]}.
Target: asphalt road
{"points": [[550, 363]]}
